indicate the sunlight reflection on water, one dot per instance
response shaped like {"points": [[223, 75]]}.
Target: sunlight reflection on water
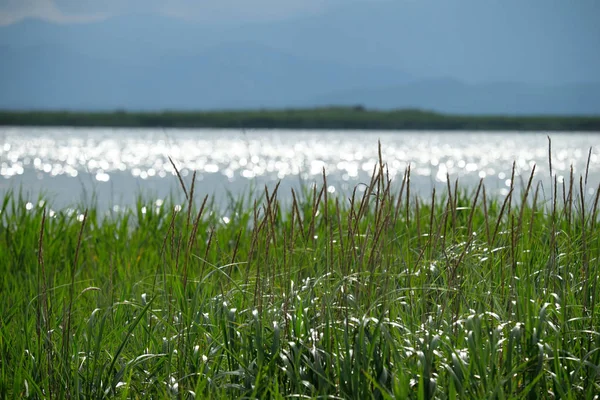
{"points": [[117, 164]]}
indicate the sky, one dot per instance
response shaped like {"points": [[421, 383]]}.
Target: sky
{"points": [[332, 47], [80, 11]]}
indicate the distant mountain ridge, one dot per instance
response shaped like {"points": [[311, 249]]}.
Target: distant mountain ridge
{"points": [[156, 63]]}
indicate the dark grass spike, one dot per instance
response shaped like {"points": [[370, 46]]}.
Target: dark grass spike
{"points": [[524, 200], [378, 196], [380, 225], [431, 241], [431, 222], [595, 208], [169, 231], [179, 177], [292, 235], [473, 205], [407, 205], [352, 231], [534, 209], [587, 166], [191, 201], [418, 220], [584, 250], [570, 197], [206, 250], [162, 253], [382, 201], [315, 209], [42, 310], [550, 163], [486, 217], [328, 224], [512, 186], [193, 234], [458, 262], [564, 198], [366, 197], [593, 327], [192, 238], [388, 198], [187, 232], [399, 201], [257, 302], [381, 188], [499, 220], [235, 251], [443, 231], [513, 264], [298, 215], [254, 239], [69, 309], [341, 258], [450, 199], [455, 199], [178, 241], [271, 210], [362, 212], [441, 228], [553, 253], [288, 278]]}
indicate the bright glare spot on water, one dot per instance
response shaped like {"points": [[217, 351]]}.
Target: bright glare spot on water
{"points": [[28, 206], [102, 176], [211, 168]]}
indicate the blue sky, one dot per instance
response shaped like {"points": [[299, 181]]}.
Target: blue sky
{"points": [[73, 11], [66, 11]]}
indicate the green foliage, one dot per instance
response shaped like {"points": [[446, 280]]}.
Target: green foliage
{"points": [[317, 118], [382, 296]]}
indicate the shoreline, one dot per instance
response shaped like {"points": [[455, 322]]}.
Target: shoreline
{"points": [[334, 118]]}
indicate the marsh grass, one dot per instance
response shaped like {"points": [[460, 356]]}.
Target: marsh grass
{"points": [[380, 295]]}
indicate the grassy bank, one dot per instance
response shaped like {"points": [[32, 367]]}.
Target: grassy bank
{"points": [[319, 118], [382, 295]]}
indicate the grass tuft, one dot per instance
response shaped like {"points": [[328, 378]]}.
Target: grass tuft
{"points": [[381, 295]]}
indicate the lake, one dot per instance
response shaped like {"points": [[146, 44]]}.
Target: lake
{"points": [[72, 166]]}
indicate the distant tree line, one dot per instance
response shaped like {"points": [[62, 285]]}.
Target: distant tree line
{"points": [[317, 118]]}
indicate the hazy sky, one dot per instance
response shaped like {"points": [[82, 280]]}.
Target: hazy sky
{"points": [[67, 11], [545, 41], [218, 11]]}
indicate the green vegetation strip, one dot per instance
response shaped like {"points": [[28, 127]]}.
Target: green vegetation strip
{"points": [[318, 118], [382, 295]]}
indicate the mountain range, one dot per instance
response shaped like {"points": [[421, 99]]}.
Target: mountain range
{"points": [[353, 56]]}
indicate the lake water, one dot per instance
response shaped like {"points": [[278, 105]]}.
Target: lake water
{"points": [[70, 166]]}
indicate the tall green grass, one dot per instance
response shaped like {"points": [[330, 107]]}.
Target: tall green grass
{"points": [[380, 295]]}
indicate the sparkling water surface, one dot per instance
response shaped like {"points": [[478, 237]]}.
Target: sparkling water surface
{"points": [[112, 167]]}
